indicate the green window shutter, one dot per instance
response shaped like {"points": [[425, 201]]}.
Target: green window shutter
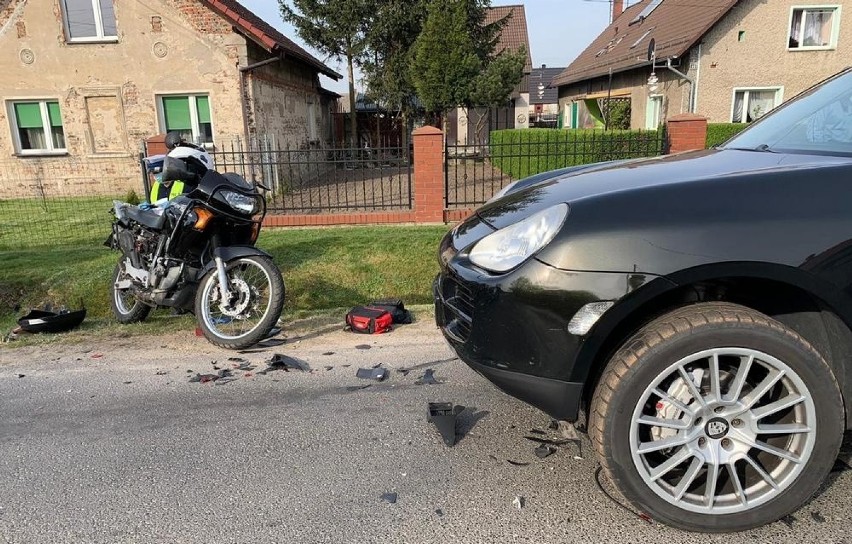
{"points": [[176, 113], [28, 115], [202, 103], [53, 113]]}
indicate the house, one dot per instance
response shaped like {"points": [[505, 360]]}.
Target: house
{"points": [[544, 98], [727, 60], [473, 126], [89, 80]]}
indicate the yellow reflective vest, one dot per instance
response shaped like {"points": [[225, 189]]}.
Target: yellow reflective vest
{"points": [[160, 191]]}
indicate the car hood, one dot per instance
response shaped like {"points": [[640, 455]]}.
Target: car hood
{"points": [[635, 175]]}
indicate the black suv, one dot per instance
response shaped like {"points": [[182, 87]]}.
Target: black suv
{"points": [[698, 307]]}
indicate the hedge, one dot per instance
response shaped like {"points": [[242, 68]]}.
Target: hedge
{"points": [[719, 133], [525, 152]]}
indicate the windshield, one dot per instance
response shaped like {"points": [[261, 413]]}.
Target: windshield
{"points": [[817, 121]]}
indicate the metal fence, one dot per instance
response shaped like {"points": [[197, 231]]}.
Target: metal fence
{"points": [[474, 173], [314, 180], [56, 201]]}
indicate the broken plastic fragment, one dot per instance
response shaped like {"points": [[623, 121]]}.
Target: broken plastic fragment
{"points": [[517, 463], [439, 512], [389, 497], [328, 353], [544, 451], [285, 363], [518, 502], [358, 387], [161, 373], [236, 359], [377, 374], [21, 375], [363, 346], [443, 415], [428, 378]]}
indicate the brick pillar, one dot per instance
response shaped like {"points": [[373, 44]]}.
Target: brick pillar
{"points": [[686, 132], [428, 175], [156, 145]]}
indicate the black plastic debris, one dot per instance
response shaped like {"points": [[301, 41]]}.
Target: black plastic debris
{"points": [[285, 363], [389, 497], [439, 512], [363, 346], [377, 374], [443, 415], [204, 378], [127, 383], [517, 463], [161, 373], [329, 367], [537, 431], [788, 520], [46, 321], [554, 425], [236, 359], [328, 353], [428, 378], [245, 366], [817, 517], [403, 371], [21, 375], [544, 450]]}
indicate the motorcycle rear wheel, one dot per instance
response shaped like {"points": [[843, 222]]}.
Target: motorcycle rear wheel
{"points": [[257, 299], [125, 307]]}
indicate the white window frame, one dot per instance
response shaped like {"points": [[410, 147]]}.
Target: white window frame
{"points": [[779, 97], [651, 98], [835, 27], [99, 26], [193, 114], [45, 122]]}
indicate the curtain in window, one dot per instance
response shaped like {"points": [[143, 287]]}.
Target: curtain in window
{"points": [[30, 125], [817, 28], [759, 103], [738, 108]]}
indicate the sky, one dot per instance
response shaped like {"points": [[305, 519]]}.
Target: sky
{"points": [[559, 30]]}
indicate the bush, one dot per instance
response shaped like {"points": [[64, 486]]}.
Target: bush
{"points": [[132, 198], [719, 133], [525, 152]]}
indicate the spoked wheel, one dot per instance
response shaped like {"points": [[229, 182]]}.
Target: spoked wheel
{"points": [[124, 305], [251, 310], [717, 418]]}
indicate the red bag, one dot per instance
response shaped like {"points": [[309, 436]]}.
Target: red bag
{"points": [[366, 320]]}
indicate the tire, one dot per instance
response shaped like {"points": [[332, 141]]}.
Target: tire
{"points": [[660, 444], [257, 283], [125, 307]]}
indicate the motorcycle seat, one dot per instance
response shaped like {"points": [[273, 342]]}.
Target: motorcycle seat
{"points": [[149, 218]]}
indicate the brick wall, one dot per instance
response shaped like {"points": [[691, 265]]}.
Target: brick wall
{"points": [[686, 132]]}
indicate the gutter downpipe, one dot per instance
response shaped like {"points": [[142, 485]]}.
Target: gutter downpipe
{"points": [[689, 79]]}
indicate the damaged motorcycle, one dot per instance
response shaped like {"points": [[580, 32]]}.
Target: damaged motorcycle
{"points": [[196, 253]]}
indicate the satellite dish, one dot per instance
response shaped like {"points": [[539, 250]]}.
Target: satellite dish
{"points": [[652, 46]]}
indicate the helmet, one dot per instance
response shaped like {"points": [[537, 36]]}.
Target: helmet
{"points": [[186, 162]]}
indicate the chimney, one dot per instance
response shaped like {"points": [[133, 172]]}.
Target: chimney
{"points": [[617, 9]]}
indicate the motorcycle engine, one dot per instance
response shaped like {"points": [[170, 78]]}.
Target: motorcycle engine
{"points": [[139, 245]]}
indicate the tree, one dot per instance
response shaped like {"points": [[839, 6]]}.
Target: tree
{"points": [[394, 28], [454, 61], [336, 28]]}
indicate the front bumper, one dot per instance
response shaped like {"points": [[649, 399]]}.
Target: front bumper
{"points": [[512, 328]]}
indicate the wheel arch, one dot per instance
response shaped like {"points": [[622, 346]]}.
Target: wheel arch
{"points": [[792, 296]]}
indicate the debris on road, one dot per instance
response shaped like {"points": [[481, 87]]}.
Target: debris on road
{"points": [[428, 378], [817, 517], [236, 359], [161, 373], [389, 497], [21, 375], [443, 415], [203, 378], [544, 450], [439, 512], [537, 431], [285, 363], [518, 502], [358, 387], [97, 355], [517, 463], [328, 353], [329, 367], [377, 373], [363, 346]]}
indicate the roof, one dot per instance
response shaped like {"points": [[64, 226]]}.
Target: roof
{"points": [[544, 76], [675, 26], [265, 35], [514, 34]]}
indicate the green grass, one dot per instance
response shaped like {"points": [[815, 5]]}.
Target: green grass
{"points": [[323, 268], [54, 222]]}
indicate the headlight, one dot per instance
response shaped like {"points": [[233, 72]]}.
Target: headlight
{"points": [[241, 203], [509, 247]]}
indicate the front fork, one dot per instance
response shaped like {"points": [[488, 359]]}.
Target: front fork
{"points": [[224, 288]]}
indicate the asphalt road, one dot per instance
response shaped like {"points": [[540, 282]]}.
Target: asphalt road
{"points": [[109, 441]]}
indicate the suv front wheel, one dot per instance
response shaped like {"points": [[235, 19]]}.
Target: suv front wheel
{"points": [[715, 417]]}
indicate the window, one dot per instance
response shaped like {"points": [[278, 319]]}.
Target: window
{"points": [[189, 115], [650, 7], [752, 104], [38, 127], [653, 112], [89, 20], [814, 27]]}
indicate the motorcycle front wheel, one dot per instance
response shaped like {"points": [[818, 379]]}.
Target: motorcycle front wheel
{"points": [[125, 307], [252, 308]]}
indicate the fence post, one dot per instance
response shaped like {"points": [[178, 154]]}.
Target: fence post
{"points": [[686, 132], [428, 175]]}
